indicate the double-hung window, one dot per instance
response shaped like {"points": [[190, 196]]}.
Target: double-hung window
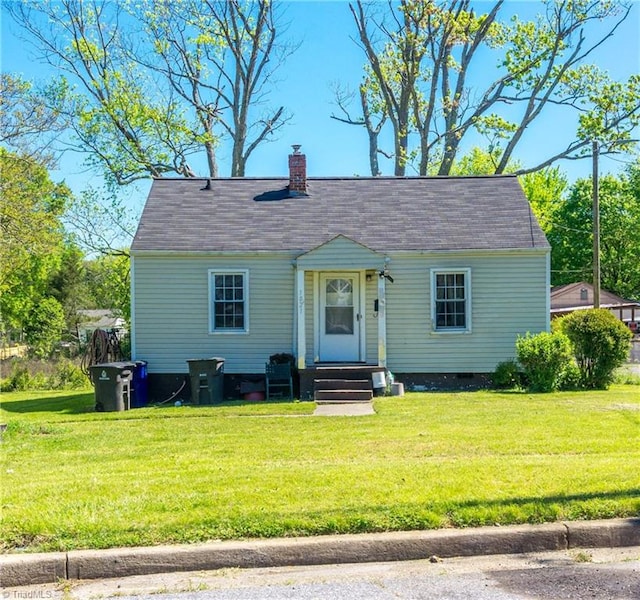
{"points": [[451, 300], [229, 301]]}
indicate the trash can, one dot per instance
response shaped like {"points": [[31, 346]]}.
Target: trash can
{"points": [[139, 385], [112, 382], [207, 380]]}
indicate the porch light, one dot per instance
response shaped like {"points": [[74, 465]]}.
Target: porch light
{"points": [[386, 275]]}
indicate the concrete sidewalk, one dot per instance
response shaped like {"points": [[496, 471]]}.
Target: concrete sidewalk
{"points": [[344, 409], [28, 569]]}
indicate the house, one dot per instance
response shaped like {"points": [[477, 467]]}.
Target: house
{"points": [[428, 277], [579, 296], [91, 319]]}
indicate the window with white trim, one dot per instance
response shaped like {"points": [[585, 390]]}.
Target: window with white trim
{"points": [[229, 301], [451, 300]]}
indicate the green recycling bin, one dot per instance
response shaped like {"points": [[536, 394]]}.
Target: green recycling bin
{"points": [[207, 380]]}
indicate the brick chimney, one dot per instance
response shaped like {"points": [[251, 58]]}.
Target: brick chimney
{"points": [[297, 171]]}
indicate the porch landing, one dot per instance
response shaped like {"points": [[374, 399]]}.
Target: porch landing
{"points": [[330, 383]]}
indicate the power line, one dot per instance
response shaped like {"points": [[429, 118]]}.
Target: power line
{"points": [[619, 160]]}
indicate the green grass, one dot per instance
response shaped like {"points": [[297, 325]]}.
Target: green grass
{"points": [[72, 478]]}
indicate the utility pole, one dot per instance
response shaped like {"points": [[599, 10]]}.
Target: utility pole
{"points": [[596, 230]]}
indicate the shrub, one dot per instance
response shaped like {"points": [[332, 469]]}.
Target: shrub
{"points": [[68, 376], [600, 344], [507, 375], [28, 375], [18, 381], [544, 358], [570, 378], [623, 377]]}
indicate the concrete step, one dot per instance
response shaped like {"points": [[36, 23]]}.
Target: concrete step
{"points": [[342, 395], [342, 384]]}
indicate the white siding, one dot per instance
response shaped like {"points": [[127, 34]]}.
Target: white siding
{"points": [[171, 312], [508, 297]]}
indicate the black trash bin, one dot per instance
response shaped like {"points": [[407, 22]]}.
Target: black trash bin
{"points": [[140, 385], [112, 382], [207, 380]]}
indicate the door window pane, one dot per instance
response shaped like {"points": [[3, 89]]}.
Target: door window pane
{"points": [[339, 308]]}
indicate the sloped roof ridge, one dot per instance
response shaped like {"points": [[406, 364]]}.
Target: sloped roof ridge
{"points": [[338, 177], [383, 213]]}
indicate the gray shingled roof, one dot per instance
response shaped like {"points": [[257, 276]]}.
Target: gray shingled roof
{"points": [[383, 213]]}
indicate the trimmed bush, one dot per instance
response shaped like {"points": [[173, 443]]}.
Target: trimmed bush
{"points": [[600, 344], [506, 376], [544, 358], [570, 379]]}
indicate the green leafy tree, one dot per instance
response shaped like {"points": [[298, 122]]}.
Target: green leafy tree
{"points": [[44, 326], [148, 84], [100, 222], [31, 235], [69, 286], [219, 57], [571, 234], [424, 62], [121, 119], [545, 190], [373, 116], [109, 280], [30, 124], [103, 226], [479, 162]]}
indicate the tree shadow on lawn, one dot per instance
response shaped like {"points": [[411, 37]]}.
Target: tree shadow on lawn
{"points": [[76, 404], [557, 507], [72, 404]]}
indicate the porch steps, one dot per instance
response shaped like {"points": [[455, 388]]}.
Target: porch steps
{"points": [[335, 391]]}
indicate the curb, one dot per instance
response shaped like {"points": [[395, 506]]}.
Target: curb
{"points": [[27, 569]]}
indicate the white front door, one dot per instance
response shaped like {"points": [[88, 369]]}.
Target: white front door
{"points": [[340, 319]]}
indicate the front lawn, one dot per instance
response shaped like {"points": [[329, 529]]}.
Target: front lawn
{"points": [[72, 478]]}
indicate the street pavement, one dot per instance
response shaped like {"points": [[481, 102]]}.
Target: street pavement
{"points": [[595, 574], [26, 569]]}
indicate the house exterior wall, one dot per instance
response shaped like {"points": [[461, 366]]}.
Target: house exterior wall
{"points": [[509, 296], [170, 311], [340, 253]]}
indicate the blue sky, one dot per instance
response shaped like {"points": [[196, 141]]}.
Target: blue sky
{"points": [[328, 56]]}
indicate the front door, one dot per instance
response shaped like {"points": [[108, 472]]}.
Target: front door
{"points": [[339, 336]]}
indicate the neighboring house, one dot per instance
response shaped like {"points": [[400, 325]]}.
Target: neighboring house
{"points": [[579, 296], [92, 319], [423, 276]]}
